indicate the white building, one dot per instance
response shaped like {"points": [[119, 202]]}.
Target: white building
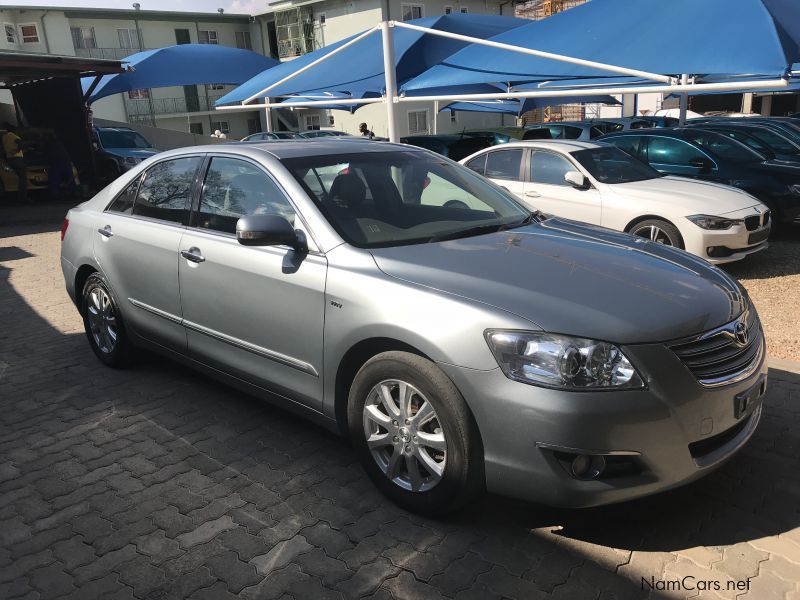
{"points": [[114, 33]]}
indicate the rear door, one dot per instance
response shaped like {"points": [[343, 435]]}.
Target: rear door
{"points": [[137, 244], [550, 193], [254, 312], [504, 167]]}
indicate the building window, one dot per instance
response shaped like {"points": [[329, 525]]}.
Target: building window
{"points": [[129, 38], [330, 120], [83, 37], [207, 37], [448, 10], [11, 33], [216, 86], [253, 126], [412, 11], [243, 40], [223, 126], [196, 128], [29, 33], [418, 121], [294, 30], [312, 122], [322, 19], [453, 118], [139, 94], [464, 10]]}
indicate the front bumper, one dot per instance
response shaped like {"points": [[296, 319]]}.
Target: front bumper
{"points": [[727, 245], [675, 430]]}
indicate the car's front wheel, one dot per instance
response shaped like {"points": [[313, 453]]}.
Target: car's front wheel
{"points": [[659, 231], [103, 322], [414, 433]]}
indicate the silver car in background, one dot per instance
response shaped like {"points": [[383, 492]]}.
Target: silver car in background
{"points": [[462, 342]]}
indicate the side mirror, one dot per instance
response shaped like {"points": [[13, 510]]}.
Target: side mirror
{"points": [[269, 230], [704, 164], [577, 180]]}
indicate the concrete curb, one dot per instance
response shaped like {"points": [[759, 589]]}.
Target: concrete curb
{"points": [[792, 366]]}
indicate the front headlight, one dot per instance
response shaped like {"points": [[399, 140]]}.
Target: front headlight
{"points": [[711, 222], [561, 361]]}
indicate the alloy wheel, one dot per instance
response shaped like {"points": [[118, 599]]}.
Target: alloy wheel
{"points": [[654, 233], [404, 435], [102, 320]]}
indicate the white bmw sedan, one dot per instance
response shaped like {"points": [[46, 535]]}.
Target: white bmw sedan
{"points": [[599, 184]]}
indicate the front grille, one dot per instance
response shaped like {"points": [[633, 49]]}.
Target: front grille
{"points": [[752, 223], [717, 357]]}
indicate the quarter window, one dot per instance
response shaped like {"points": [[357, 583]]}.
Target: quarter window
{"points": [[166, 190], [549, 168], [235, 188], [670, 151], [478, 164], [504, 164], [123, 203]]}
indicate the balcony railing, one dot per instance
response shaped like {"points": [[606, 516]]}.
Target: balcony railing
{"points": [[162, 106], [109, 53]]}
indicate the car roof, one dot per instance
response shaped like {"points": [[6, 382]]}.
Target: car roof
{"points": [[563, 145]]}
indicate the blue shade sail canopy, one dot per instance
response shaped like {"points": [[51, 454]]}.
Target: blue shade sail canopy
{"points": [[696, 37], [184, 64], [321, 96], [358, 69], [517, 107]]}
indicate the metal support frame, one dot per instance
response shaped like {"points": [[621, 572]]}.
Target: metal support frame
{"points": [[684, 102], [664, 83]]}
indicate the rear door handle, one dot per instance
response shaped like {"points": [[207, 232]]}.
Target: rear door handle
{"points": [[105, 231], [193, 255]]}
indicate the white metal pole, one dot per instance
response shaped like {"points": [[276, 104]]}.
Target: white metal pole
{"points": [[435, 117], [268, 115], [387, 34], [684, 102]]}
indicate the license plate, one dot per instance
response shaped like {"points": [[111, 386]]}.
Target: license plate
{"points": [[746, 402], [758, 236]]}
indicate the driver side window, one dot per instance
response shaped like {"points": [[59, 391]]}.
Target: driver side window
{"points": [[549, 168], [670, 151], [235, 188]]}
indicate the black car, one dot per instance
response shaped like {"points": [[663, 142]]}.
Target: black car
{"points": [[785, 126], [709, 155], [761, 138], [454, 146]]}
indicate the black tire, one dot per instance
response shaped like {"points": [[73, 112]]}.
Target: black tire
{"points": [[667, 233], [113, 351], [462, 477]]}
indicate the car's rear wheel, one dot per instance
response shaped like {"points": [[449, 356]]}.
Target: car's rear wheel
{"points": [[659, 231], [414, 433], [103, 323]]}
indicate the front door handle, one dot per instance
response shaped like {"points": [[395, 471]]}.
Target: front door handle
{"points": [[532, 194], [105, 231], [193, 255]]}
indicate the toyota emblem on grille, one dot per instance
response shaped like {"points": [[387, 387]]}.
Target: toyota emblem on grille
{"points": [[741, 334]]}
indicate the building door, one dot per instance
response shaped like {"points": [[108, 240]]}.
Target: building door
{"points": [[192, 98], [182, 36]]}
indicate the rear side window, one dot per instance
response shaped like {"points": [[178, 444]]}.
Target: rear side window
{"points": [[235, 188], [504, 164], [549, 168], [478, 164], [166, 190], [670, 151], [571, 133], [631, 144], [123, 203]]}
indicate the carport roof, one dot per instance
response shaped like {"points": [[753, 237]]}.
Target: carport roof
{"points": [[23, 67]]}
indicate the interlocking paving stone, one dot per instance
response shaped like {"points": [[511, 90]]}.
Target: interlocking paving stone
{"points": [[156, 483]]}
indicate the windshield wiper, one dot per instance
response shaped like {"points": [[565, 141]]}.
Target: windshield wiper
{"points": [[534, 216]]}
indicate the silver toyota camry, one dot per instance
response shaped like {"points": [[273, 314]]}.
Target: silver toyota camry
{"points": [[462, 342]]}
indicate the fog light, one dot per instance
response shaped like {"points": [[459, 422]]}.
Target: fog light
{"points": [[588, 467]]}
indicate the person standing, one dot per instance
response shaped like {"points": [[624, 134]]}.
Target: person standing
{"points": [[365, 131], [59, 167], [12, 145]]}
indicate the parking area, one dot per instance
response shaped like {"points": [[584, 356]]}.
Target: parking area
{"points": [[158, 483]]}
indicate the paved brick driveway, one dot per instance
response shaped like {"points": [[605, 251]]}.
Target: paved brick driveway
{"points": [[157, 483]]}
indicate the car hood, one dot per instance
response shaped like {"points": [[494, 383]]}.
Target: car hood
{"points": [[576, 279], [135, 152], [690, 195]]}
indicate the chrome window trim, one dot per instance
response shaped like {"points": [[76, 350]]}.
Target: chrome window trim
{"points": [[283, 359]]}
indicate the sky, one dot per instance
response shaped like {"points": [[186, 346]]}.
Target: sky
{"points": [[230, 6]]}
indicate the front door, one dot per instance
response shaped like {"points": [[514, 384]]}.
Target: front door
{"points": [[551, 194], [254, 312], [677, 157], [137, 244]]}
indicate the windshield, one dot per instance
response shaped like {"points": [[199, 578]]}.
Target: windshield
{"points": [[776, 142], [394, 198], [612, 165], [115, 138], [725, 147]]}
